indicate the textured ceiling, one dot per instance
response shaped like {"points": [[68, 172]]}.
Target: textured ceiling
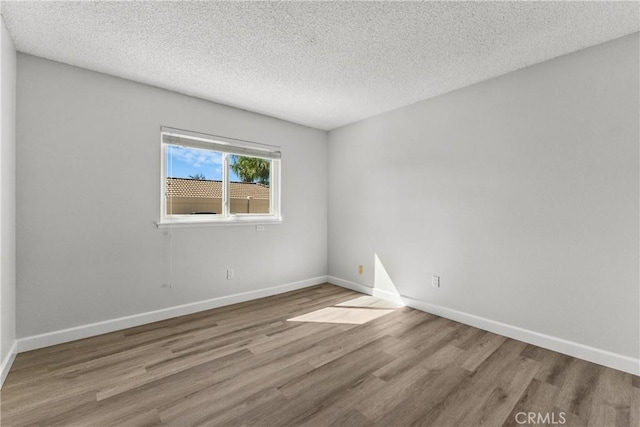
{"points": [[321, 64]]}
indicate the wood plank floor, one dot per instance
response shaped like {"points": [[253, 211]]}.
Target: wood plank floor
{"points": [[247, 365]]}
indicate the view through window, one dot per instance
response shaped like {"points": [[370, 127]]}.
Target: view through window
{"points": [[216, 180]]}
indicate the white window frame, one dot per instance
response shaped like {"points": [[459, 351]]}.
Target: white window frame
{"points": [[227, 146]]}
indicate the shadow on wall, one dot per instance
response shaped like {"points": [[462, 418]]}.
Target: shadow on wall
{"points": [[383, 286]]}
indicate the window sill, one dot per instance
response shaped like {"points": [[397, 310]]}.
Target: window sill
{"points": [[181, 223]]}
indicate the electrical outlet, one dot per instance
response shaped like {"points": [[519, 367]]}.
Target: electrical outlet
{"points": [[230, 274], [259, 227], [361, 269], [435, 281]]}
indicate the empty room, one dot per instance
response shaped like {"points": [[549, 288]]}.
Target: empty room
{"points": [[326, 213]]}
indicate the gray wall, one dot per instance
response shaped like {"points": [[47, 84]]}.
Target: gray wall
{"points": [[7, 195], [88, 142], [521, 193]]}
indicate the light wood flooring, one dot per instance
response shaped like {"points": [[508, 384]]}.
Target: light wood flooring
{"points": [[246, 364]]}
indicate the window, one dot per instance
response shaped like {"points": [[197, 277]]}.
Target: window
{"points": [[216, 180]]}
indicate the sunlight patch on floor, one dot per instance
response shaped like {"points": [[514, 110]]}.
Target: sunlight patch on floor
{"points": [[355, 316], [367, 301]]}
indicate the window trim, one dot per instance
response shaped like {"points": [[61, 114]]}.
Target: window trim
{"points": [[228, 146]]}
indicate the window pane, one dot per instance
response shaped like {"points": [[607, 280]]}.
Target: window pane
{"points": [[194, 181], [249, 190]]}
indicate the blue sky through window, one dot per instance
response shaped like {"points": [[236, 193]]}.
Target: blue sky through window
{"points": [[183, 162]]}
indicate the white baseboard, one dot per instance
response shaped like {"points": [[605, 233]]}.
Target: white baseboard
{"points": [[364, 289], [7, 362], [389, 296], [99, 328], [581, 351]]}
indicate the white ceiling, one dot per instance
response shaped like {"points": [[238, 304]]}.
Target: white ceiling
{"points": [[321, 64]]}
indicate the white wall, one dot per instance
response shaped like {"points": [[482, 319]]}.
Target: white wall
{"points": [[7, 202], [521, 193], [88, 142]]}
